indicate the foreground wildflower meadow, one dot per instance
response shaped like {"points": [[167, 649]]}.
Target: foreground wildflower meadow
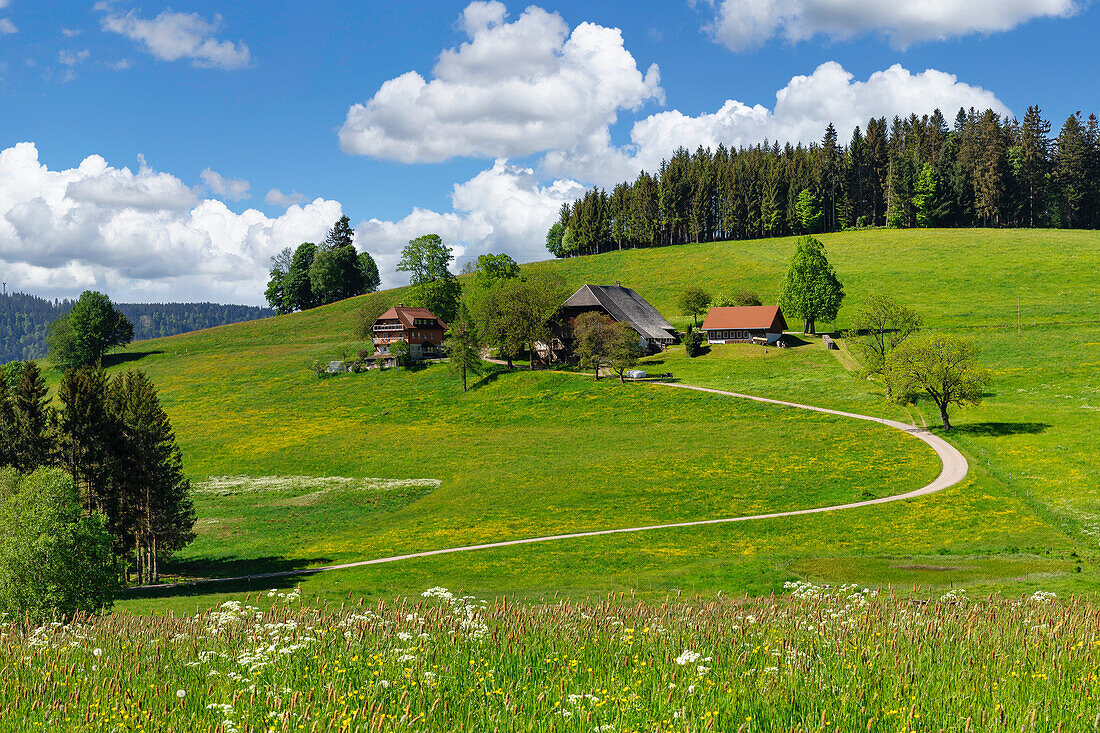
{"points": [[818, 659]]}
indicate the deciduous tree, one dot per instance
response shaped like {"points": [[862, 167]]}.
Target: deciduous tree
{"points": [[879, 325], [811, 289], [625, 349], [54, 560], [944, 367], [88, 331], [592, 336], [427, 260], [693, 302], [740, 297]]}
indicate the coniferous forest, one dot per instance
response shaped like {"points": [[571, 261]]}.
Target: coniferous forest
{"points": [[982, 170], [25, 320]]}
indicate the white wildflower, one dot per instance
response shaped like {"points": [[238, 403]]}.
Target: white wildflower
{"points": [[688, 657]]}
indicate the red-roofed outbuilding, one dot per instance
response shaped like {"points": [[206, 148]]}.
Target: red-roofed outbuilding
{"points": [[743, 323]]}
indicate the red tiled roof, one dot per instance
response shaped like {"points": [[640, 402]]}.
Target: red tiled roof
{"points": [[746, 317], [406, 315]]}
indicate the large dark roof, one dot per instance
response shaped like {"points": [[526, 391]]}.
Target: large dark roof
{"points": [[623, 304]]}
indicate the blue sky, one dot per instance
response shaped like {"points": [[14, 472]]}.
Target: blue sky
{"points": [[226, 131]]}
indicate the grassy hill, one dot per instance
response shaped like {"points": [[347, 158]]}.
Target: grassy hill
{"points": [[533, 454]]}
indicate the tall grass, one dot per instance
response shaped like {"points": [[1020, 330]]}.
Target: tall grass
{"points": [[842, 659]]}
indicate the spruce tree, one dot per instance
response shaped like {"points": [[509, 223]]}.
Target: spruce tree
{"points": [[157, 513], [88, 440], [31, 444], [463, 345], [1071, 171], [1034, 164]]}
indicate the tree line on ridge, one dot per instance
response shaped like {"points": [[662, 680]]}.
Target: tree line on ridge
{"points": [[983, 170]]}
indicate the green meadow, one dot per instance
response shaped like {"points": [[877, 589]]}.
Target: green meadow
{"points": [[529, 454]]}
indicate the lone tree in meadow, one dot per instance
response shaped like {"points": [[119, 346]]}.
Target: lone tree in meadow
{"points": [[463, 345], [811, 289], [879, 325], [944, 367], [84, 335], [693, 302]]}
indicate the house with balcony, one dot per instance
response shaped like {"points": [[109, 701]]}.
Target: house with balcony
{"points": [[421, 329]]}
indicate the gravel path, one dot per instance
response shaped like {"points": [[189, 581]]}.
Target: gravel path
{"points": [[954, 470]]}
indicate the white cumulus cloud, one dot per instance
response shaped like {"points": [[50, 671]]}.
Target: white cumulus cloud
{"points": [[745, 24], [275, 197], [140, 235], [511, 90], [801, 112], [6, 26], [173, 36], [502, 209], [234, 189]]}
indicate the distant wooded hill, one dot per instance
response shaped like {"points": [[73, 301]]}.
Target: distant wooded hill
{"points": [[25, 319]]}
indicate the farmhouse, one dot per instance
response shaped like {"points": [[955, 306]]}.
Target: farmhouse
{"points": [[421, 329], [764, 323], [623, 305]]}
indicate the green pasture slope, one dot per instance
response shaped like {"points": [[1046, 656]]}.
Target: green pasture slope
{"points": [[532, 454]]}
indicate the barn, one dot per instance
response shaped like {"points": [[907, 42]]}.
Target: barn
{"points": [[742, 324], [623, 305]]}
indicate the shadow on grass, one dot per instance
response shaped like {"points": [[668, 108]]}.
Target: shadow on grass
{"points": [[791, 341], [487, 379], [1000, 429], [202, 577], [110, 360]]}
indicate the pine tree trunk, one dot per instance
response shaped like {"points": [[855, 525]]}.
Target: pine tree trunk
{"points": [[137, 559]]}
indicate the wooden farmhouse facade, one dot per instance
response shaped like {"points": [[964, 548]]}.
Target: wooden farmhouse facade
{"points": [[421, 329], [743, 324]]}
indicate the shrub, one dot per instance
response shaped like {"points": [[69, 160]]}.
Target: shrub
{"points": [[54, 561], [693, 342]]}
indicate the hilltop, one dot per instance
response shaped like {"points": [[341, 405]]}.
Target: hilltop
{"points": [[531, 454]]}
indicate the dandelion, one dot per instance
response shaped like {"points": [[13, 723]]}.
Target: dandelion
{"points": [[181, 694], [97, 652]]}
